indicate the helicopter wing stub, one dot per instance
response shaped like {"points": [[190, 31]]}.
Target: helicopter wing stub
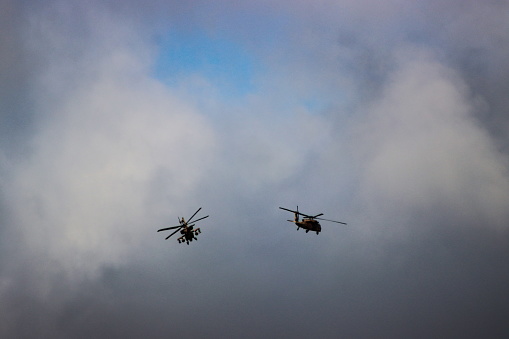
{"points": [[172, 234], [339, 222], [169, 228]]}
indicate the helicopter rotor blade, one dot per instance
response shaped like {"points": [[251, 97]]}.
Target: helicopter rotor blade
{"points": [[297, 213], [169, 228], [200, 219], [189, 220], [339, 222], [308, 216], [286, 209], [172, 234]]}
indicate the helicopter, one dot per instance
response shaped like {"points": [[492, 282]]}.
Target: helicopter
{"points": [[309, 223], [189, 233]]}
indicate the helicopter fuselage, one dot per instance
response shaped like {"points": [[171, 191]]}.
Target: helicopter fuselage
{"points": [[308, 222], [188, 234], [309, 225]]}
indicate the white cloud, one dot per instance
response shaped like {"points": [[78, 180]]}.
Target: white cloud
{"points": [[81, 197], [340, 123], [424, 151]]}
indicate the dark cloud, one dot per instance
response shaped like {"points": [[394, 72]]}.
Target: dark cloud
{"points": [[389, 117]]}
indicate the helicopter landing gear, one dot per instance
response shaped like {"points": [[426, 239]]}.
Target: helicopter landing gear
{"points": [[317, 232]]}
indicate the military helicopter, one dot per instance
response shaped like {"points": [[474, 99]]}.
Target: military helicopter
{"points": [[189, 233], [309, 223]]}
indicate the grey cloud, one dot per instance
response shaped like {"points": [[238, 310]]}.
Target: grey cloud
{"points": [[425, 147], [412, 163]]}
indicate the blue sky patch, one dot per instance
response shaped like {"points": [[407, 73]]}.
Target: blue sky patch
{"points": [[224, 63]]}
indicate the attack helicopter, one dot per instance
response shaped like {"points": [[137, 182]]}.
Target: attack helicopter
{"points": [[308, 222], [189, 233]]}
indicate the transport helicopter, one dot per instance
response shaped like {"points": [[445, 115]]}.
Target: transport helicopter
{"points": [[189, 233], [308, 222]]}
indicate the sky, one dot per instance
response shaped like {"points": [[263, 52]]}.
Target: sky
{"points": [[117, 117]]}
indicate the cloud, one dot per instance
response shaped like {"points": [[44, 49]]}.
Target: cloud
{"points": [[369, 114], [424, 150], [81, 196]]}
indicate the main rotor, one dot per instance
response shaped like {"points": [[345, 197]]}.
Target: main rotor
{"points": [[309, 217]]}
